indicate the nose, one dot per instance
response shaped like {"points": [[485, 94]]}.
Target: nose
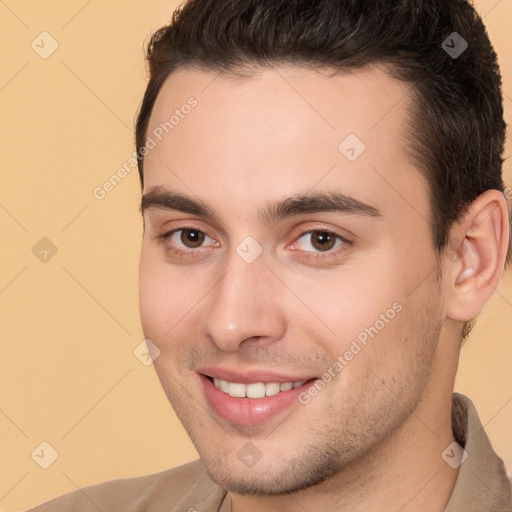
{"points": [[243, 308]]}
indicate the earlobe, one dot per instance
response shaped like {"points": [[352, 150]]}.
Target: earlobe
{"points": [[478, 267]]}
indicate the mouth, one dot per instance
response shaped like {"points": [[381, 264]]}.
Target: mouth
{"points": [[254, 401]]}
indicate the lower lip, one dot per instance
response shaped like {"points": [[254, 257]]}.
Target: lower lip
{"points": [[250, 411]]}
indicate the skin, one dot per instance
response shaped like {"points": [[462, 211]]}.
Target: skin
{"points": [[373, 437]]}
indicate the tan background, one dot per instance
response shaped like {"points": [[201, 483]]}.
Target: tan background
{"points": [[70, 325]]}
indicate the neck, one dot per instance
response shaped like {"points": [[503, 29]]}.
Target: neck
{"points": [[404, 472]]}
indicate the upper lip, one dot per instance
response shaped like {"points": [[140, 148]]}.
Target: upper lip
{"points": [[249, 376]]}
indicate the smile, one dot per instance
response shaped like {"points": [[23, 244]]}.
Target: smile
{"points": [[255, 401]]}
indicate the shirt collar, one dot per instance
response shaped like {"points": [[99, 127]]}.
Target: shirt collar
{"points": [[482, 484]]}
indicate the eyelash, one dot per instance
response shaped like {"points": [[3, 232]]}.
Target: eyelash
{"points": [[309, 255]]}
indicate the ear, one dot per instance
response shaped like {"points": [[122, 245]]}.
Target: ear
{"points": [[477, 254]]}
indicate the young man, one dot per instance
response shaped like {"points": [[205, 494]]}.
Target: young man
{"points": [[323, 217]]}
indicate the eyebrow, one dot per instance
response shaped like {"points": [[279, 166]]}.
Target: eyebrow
{"points": [[298, 204]]}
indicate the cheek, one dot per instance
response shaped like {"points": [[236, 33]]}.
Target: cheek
{"points": [[171, 298], [366, 316], [162, 296], [151, 294], [355, 300]]}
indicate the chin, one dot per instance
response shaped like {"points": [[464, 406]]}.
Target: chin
{"points": [[272, 478]]}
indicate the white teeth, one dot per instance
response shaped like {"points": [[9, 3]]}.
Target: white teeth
{"points": [[256, 389], [236, 390], [272, 388]]}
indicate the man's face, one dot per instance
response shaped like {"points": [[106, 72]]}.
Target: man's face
{"points": [[263, 303]]}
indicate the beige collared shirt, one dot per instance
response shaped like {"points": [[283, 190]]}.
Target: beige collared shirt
{"points": [[481, 485]]}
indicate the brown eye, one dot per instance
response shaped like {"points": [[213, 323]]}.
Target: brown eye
{"points": [[186, 242], [323, 240], [320, 241], [192, 238]]}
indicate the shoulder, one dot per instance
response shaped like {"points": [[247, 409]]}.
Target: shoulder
{"points": [[184, 488]]}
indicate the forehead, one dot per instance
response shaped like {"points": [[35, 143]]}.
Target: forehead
{"points": [[283, 129]]}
